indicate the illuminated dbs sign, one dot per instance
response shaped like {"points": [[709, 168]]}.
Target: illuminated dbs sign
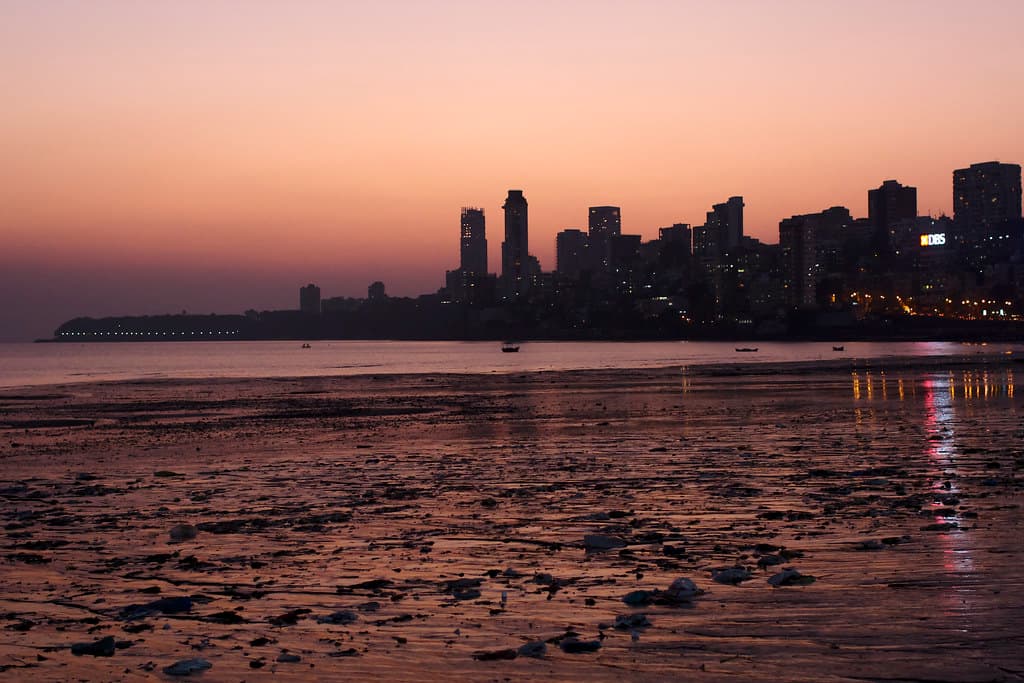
{"points": [[933, 240]]}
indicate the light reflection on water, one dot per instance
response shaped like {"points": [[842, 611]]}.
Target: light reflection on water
{"points": [[967, 385], [944, 398], [940, 400]]}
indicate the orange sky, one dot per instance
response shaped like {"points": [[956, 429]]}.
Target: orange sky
{"points": [[335, 141]]}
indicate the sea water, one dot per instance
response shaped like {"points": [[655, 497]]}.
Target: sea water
{"points": [[23, 364]]}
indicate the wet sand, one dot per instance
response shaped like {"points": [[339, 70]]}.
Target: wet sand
{"points": [[427, 527]]}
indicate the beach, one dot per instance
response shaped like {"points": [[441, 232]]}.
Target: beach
{"points": [[800, 522]]}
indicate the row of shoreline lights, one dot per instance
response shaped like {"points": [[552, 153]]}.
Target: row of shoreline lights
{"points": [[146, 334]]}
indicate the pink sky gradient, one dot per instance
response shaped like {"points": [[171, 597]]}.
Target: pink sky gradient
{"points": [[246, 148]]}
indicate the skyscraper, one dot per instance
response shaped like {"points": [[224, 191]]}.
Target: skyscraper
{"points": [[604, 221], [889, 205], [674, 246], [571, 253], [985, 196], [730, 215], [702, 242], [473, 242], [679, 234], [721, 232], [603, 224], [831, 233], [309, 299], [797, 241], [515, 249]]}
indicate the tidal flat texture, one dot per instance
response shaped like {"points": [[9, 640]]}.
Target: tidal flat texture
{"points": [[651, 525]]}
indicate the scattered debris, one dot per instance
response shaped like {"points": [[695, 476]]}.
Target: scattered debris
{"points": [[628, 622], [183, 532], [791, 577], [599, 542], [731, 576], [339, 618], [187, 667], [682, 590], [175, 605], [494, 655], [535, 649], [639, 598], [104, 647], [574, 645], [289, 618]]}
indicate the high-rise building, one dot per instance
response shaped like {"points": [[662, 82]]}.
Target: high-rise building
{"points": [[799, 263], [678, 234], [475, 289], [703, 244], [515, 263], [473, 242], [889, 205], [985, 196], [604, 221], [571, 253], [730, 215], [376, 291], [674, 247], [721, 232], [811, 248], [831, 234], [309, 299], [624, 252], [603, 224]]}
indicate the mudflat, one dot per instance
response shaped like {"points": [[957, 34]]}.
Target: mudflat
{"points": [[786, 523]]}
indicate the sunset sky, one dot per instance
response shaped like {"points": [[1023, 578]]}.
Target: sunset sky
{"points": [[215, 155]]}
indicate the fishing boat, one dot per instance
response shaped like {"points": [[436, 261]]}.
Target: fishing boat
{"points": [[509, 347]]}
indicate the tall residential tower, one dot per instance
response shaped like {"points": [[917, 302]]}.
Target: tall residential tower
{"points": [[888, 206], [985, 196], [604, 224], [571, 253], [309, 299], [721, 232], [515, 254], [473, 242]]}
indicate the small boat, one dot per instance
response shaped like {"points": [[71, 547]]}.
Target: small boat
{"points": [[837, 348], [744, 349], [306, 346], [509, 347]]}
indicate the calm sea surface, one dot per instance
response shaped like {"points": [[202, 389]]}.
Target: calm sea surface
{"points": [[41, 364]]}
